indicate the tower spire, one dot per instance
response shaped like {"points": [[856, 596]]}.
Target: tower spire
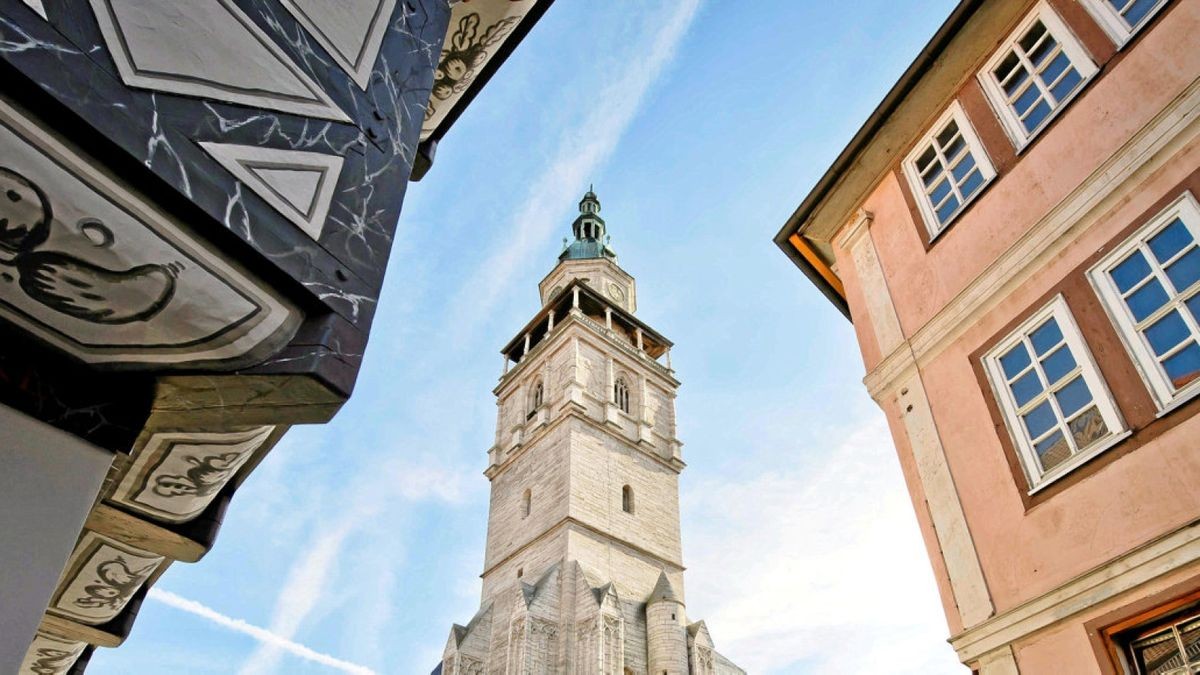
{"points": [[591, 237]]}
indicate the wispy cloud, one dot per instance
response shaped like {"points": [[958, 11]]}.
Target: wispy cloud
{"points": [[383, 485], [578, 156], [816, 562], [263, 635]]}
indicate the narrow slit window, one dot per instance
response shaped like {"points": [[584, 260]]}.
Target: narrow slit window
{"points": [[627, 499], [1031, 78], [526, 503], [1055, 403], [1151, 286], [947, 169]]}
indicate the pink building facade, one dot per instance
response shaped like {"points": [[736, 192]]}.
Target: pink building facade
{"points": [[1015, 234]]}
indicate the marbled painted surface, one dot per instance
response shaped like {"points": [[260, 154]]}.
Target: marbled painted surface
{"points": [[67, 59]]}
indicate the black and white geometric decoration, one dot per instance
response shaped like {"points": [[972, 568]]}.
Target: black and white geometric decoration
{"points": [[298, 184], [209, 49], [350, 30]]}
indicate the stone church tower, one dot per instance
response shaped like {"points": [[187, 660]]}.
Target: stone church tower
{"points": [[583, 571]]}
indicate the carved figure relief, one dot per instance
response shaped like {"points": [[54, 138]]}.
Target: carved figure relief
{"points": [[50, 656], [175, 475], [101, 578], [95, 271]]}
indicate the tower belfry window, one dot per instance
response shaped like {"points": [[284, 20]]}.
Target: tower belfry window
{"points": [[621, 394], [536, 397]]}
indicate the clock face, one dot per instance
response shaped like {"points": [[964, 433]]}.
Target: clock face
{"points": [[616, 292]]}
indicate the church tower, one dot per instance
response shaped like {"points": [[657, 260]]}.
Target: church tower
{"points": [[583, 570]]}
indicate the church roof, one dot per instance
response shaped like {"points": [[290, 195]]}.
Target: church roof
{"points": [[663, 591]]}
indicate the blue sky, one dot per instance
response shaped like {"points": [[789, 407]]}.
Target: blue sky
{"points": [[355, 545]]}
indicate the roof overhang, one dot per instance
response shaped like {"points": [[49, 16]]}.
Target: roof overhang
{"points": [[967, 36], [480, 37]]}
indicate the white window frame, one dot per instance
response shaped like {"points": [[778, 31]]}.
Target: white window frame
{"points": [[956, 114], [1186, 208], [1085, 365], [1114, 24], [1083, 63]]}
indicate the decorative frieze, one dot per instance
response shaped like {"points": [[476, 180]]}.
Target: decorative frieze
{"points": [[49, 655], [176, 475], [100, 578]]}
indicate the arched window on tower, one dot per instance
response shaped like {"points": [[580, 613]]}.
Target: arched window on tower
{"points": [[526, 503], [621, 394], [536, 397], [627, 499]]}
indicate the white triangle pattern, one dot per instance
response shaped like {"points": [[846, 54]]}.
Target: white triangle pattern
{"points": [[208, 49], [350, 30], [298, 184]]}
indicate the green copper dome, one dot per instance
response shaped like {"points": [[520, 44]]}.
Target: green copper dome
{"points": [[591, 238]]}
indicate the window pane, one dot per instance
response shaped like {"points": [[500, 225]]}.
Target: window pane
{"points": [[1173, 239], [947, 135], [1189, 632], [947, 209], [939, 193], [1145, 300], [1131, 270], [1036, 116], [1042, 50], [1088, 428], [955, 148], [1157, 655], [1066, 85], [1046, 336], [963, 168], [971, 184], [1016, 360], [1026, 99], [1058, 364], [1073, 396], [925, 160], [1185, 271], [1036, 31], [1007, 67], [1184, 366], [1017, 80], [1138, 11], [1053, 451], [1193, 304], [1167, 332], [1039, 420], [1055, 68], [1026, 388]]}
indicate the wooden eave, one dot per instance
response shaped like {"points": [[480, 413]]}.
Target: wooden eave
{"points": [[564, 297]]}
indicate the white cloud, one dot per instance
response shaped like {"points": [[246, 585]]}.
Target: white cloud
{"points": [[263, 635], [819, 568], [391, 482], [577, 157]]}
